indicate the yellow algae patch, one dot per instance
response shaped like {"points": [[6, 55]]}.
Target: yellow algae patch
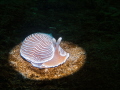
{"points": [[75, 62]]}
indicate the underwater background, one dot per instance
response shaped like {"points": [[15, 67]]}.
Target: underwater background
{"points": [[92, 24]]}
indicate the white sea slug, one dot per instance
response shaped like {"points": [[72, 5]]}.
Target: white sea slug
{"points": [[43, 51]]}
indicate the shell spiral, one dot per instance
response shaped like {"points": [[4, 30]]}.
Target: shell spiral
{"points": [[43, 51]]}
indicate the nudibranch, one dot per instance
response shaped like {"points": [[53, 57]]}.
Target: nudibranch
{"points": [[43, 51]]}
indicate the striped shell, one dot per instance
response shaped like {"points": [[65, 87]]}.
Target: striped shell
{"points": [[43, 51]]}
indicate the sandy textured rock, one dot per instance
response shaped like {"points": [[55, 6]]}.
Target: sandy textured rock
{"points": [[75, 61]]}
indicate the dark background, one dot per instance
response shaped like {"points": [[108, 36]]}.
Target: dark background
{"points": [[92, 24]]}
